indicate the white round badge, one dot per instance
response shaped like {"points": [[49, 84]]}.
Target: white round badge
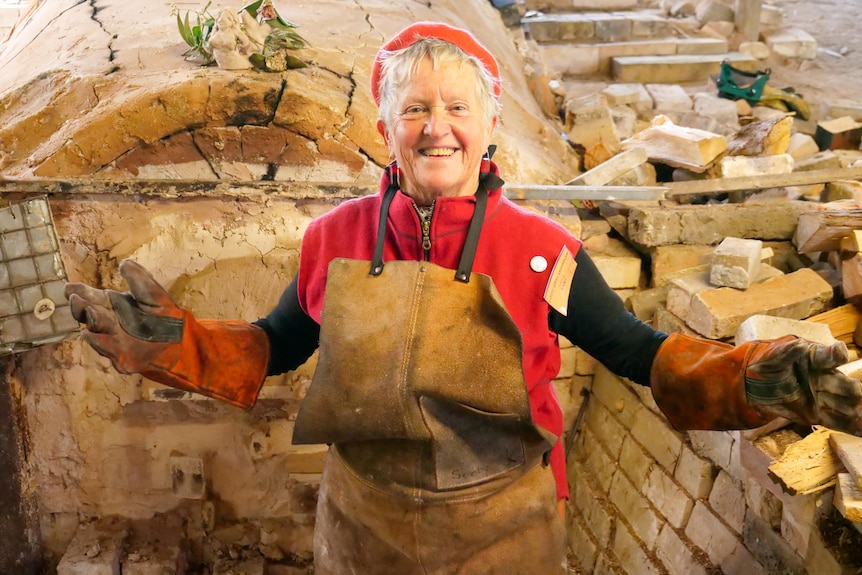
{"points": [[538, 264]]}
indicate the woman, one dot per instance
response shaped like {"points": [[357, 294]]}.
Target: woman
{"points": [[438, 319]]}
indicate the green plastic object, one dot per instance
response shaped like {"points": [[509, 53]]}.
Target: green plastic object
{"points": [[736, 84]]}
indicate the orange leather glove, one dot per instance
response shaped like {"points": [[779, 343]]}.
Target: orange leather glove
{"points": [[144, 331], [706, 384]]}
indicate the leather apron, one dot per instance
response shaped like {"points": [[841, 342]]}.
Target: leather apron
{"points": [[435, 465]]}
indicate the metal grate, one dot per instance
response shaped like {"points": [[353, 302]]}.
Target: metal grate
{"points": [[33, 309]]}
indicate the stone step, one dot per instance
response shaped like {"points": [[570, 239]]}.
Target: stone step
{"points": [[677, 68], [570, 5], [595, 26], [596, 57]]}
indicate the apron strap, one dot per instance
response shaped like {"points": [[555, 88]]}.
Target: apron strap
{"points": [[377, 259], [487, 180]]}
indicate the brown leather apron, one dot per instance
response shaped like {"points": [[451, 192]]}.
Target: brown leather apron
{"points": [[436, 466]]}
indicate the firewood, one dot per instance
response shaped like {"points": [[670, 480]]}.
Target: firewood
{"points": [[807, 466], [762, 138], [842, 321]]}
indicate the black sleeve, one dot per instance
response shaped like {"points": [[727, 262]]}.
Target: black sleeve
{"points": [[599, 323], [293, 336]]}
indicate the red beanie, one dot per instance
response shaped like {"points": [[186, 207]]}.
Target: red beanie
{"points": [[457, 36]]}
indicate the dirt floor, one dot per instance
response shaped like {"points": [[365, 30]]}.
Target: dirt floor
{"points": [[836, 73]]}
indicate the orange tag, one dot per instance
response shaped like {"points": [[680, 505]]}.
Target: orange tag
{"points": [[560, 282]]}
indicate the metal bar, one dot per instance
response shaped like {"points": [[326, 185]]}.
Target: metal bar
{"points": [[719, 185], [596, 193]]}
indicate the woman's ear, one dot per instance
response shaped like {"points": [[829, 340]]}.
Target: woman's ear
{"points": [[381, 128]]}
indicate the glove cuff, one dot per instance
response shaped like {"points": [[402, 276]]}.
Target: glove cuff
{"points": [[225, 360], [700, 384]]}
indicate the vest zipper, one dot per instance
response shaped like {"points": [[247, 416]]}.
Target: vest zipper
{"points": [[425, 222]]}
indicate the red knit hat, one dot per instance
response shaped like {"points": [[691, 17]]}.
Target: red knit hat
{"points": [[457, 36]]}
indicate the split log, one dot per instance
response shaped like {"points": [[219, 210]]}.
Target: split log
{"points": [[842, 321], [807, 466], [678, 146], [823, 230], [763, 138]]}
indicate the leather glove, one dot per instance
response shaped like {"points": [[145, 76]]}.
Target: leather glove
{"points": [[797, 379], [144, 331], [706, 384]]}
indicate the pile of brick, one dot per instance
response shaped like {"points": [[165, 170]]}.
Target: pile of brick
{"points": [[758, 235]]}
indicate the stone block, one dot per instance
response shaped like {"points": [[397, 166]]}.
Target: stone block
{"points": [[626, 94], [96, 549], [825, 160], [617, 397], [719, 29], [658, 438], [791, 43], [556, 28], [694, 46], [694, 473], [671, 501], [655, 47], [771, 16], [717, 313], [644, 303], [716, 446], [581, 544], [735, 263], [769, 548], [587, 500], [607, 429], [676, 69], [771, 327], [675, 554], [802, 146], [588, 122], [747, 166], [681, 291], [156, 548], [728, 501], [721, 545], [799, 517], [712, 11], [610, 25], [625, 121], [568, 60], [672, 261], [635, 461], [628, 550], [758, 50], [645, 24], [595, 458], [842, 107], [585, 364], [627, 498], [667, 322], [669, 98], [721, 109]]}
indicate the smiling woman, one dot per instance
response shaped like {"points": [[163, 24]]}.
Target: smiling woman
{"points": [[437, 306]]}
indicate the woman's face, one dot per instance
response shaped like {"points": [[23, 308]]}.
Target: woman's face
{"points": [[437, 134]]}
